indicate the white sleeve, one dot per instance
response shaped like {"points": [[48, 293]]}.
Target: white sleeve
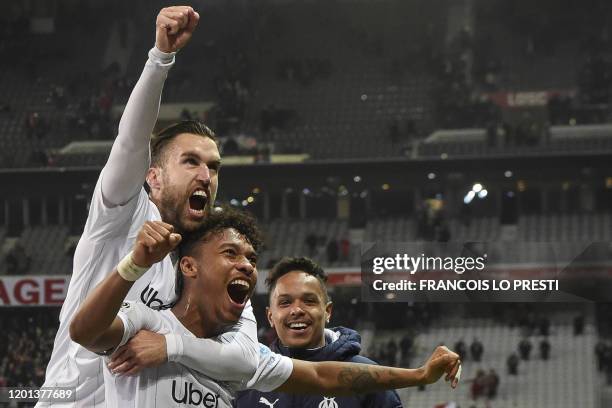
{"points": [[231, 356], [125, 170], [135, 317], [272, 372]]}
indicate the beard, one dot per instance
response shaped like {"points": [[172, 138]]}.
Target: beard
{"points": [[173, 210]]}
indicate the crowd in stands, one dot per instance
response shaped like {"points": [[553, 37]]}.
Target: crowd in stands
{"points": [[17, 260], [26, 342]]}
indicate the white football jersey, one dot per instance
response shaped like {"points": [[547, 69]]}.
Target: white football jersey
{"points": [[108, 236], [174, 385]]}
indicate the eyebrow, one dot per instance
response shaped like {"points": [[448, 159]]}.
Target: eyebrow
{"points": [[305, 294], [214, 161]]}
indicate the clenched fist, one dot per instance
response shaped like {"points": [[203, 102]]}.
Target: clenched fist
{"points": [[155, 240], [175, 25]]}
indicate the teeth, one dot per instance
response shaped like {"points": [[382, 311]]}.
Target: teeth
{"points": [[240, 282], [200, 193], [297, 325]]}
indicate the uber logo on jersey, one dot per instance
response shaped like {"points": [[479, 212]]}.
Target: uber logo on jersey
{"points": [[194, 396], [328, 403], [148, 296]]}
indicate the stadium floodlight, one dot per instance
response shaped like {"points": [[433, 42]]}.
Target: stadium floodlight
{"points": [[477, 188], [469, 197], [482, 193]]}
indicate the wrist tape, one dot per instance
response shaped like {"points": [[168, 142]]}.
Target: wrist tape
{"points": [[128, 270]]}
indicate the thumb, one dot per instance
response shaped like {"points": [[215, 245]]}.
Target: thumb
{"points": [[175, 239]]}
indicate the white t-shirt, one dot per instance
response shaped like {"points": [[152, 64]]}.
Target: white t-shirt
{"points": [[108, 236], [174, 385]]}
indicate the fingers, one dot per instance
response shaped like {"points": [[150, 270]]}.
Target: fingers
{"points": [[121, 361], [452, 369], [123, 368], [164, 232], [194, 19], [176, 18], [457, 377]]}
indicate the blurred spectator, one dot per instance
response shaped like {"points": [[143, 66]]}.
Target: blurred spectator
{"points": [[544, 326], [492, 384], [461, 349], [311, 243], [600, 349], [476, 348], [544, 349], [479, 385], [392, 353], [512, 364], [17, 260], [332, 251], [405, 346], [525, 348]]}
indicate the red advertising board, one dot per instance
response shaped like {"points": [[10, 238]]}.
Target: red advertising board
{"points": [[33, 290]]}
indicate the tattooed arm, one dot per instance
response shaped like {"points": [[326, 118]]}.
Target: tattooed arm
{"points": [[340, 378]]}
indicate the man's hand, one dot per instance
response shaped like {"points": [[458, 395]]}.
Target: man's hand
{"points": [[155, 240], [175, 25], [145, 349], [441, 361]]}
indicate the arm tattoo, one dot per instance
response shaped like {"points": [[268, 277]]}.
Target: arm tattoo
{"points": [[367, 379]]}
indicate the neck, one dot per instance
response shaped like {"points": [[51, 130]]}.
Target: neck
{"points": [[197, 322]]}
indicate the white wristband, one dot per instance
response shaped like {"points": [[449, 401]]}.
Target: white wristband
{"points": [[128, 270]]}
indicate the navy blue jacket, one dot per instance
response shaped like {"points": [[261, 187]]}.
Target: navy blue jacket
{"points": [[345, 348]]}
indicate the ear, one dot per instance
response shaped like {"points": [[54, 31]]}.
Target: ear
{"points": [[269, 316], [328, 312], [153, 178], [189, 267]]}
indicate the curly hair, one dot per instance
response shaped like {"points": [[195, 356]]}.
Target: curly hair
{"points": [[219, 219]]}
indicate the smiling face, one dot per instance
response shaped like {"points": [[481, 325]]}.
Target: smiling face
{"points": [[220, 277], [184, 185], [299, 310]]}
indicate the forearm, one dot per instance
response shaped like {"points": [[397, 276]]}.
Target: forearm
{"points": [[95, 326], [232, 357], [341, 378], [129, 159]]}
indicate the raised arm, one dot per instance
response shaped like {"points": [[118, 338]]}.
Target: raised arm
{"points": [[96, 326], [341, 378], [125, 170]]}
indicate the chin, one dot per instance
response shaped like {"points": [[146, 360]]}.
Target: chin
{"points": [[298, 344]]}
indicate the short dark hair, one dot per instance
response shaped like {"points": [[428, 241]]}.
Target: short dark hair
{"points": [[160, 141], [219, 219], [302, 264]]}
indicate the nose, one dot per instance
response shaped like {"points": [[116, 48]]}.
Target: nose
{"points": [[296, 309], [245, 266], [204, 174]]}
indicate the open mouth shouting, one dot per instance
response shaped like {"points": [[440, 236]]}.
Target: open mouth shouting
{"points": [[239, 291], [197, 202]]}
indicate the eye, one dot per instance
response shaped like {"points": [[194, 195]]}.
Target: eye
{"points": [[191, 160], [214, 167], [230, 252], [284, 302]]}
